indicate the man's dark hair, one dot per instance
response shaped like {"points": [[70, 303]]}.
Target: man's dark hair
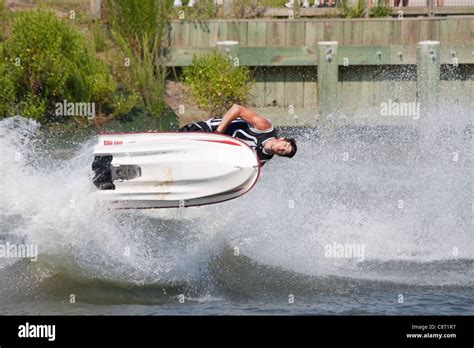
{"points": [[293, 147]]}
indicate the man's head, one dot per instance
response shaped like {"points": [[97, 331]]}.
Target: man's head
{"points": [[285, 147]]}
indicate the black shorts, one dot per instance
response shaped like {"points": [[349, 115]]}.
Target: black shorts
{"points": [[200, 126]]}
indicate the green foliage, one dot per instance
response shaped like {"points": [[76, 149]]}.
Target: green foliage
{"points": [[3, 19], [202, 9], [125, 102], [216, 84], [380, 10], [274, 3], [32, 106], [355, 11], [48, 62], [7, 89], [98, 37], [343, 7], [139, 28], [140, 22], [248, 8]]}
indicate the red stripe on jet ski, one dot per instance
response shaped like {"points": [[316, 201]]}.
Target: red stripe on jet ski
{"points": [[221, 141]]}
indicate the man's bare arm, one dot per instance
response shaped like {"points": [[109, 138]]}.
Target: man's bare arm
{"points": [[249, 116]]}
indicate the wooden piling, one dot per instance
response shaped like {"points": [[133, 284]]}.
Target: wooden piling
{"points": [[327, 80], [428, 80]]}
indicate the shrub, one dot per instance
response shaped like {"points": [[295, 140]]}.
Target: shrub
{"points": [[3, 19], [215, 83], [380, 10], [7, 90], [355, 11], [48, 61]]}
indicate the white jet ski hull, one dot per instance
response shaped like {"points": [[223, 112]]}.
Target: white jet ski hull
{"points": [[164, 170]]}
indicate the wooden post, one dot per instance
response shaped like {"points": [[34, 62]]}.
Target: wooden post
{"points": [[95, 8], [297, 9], [430, 4], [228, 7], [327, 79], [231, 49], [427, 85]]}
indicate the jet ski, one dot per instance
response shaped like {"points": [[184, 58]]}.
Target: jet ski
{"points": [[166, 170]]}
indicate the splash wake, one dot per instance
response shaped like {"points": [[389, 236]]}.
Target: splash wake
{"points": [[403, 196]]}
